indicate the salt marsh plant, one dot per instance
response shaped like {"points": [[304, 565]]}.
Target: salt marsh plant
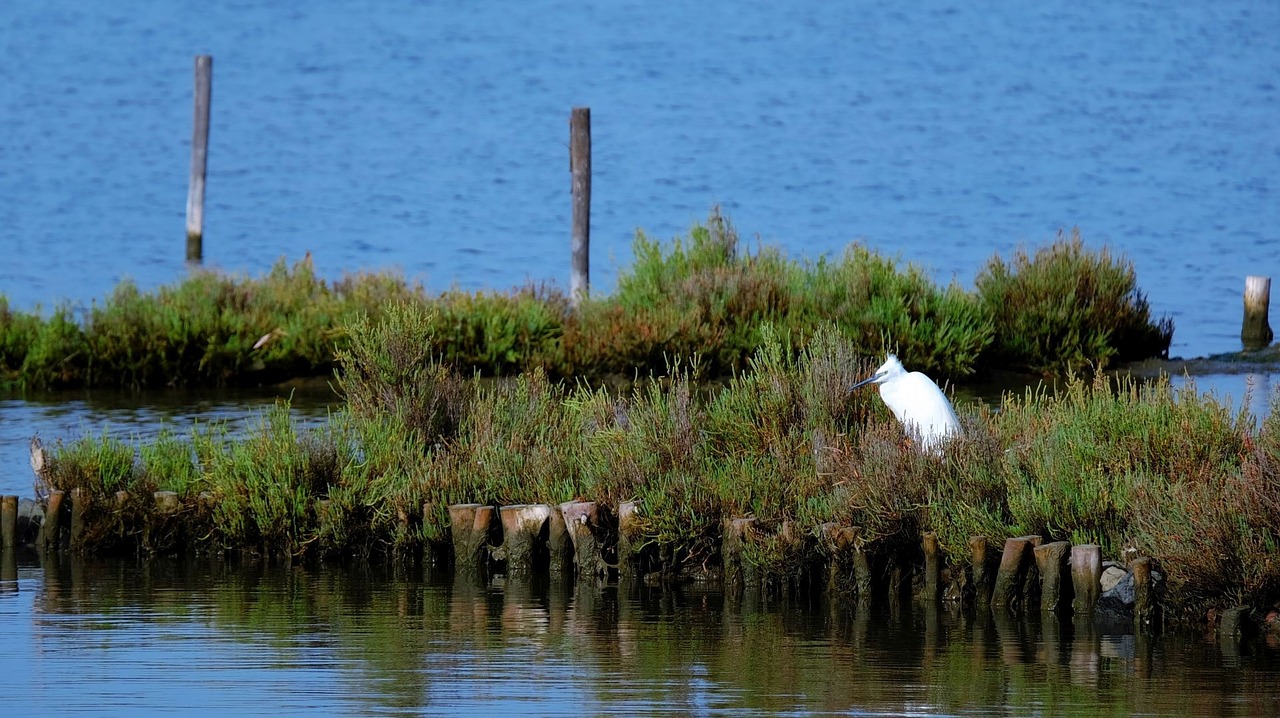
{"points": [[1063, 308], [1066, 309]]}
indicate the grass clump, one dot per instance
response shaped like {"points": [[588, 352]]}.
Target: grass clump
{"points": [[1066, 309]]}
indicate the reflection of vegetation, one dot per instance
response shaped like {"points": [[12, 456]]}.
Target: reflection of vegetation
{"points": [[403, 641], [1171, 473], [1065, 308]]}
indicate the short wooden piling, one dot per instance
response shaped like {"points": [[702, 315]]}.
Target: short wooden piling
{"points": [[629, 537], [1255, 332], [1146, 610], [9, 522], [1051, 561], [199, 159], [469, 527], [736, 534], [979, 565], [1015, 564], [584, 520], [524, 536], [580, 169], [1086, 578], [166, 502], [932, 567], [1231, 622], [862, 577], [559, 544], [79, 507], [51, 529]]}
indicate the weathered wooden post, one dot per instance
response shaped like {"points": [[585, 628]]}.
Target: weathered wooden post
{"points": [[559, 544], [1146, 611], [584, 519], [979, 564], [1231, 622], [737, 533], [524, 536], [1086, 578], [199, 159], [1051, 560], [932, 567], [862, 578], [51, 529], [469, 526], [580, 169], [79, 506], [9, 522], [166, 502], [1015, 564], [629, 537], [1256, 333]]}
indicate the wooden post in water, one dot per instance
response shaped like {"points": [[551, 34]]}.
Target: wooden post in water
{"points": [[862, 579], [79, 505], [1015, 564], [1256, 333], [469, 525], [737, 572], [979, 565], [1146, 612], [199, 159], [932, 567], [524, 536], [580, 169], [9, 522], [559, 544], [51, 529], [1051, 560], [629, 528], [1086, 578], [583, 519], [166, 502]]}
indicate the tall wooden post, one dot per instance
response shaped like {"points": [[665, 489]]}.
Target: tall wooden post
{"points": [[1256, 333], [199, 159], [580, 168]]}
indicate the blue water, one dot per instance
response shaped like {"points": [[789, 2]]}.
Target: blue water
{"points": [[432, 137]]}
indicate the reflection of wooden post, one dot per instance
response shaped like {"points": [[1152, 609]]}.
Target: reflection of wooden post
{"points": [[1256, 331], [580, 168], [199, 159]]}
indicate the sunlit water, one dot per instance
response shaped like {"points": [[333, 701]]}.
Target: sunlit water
{"points": [[173, 638]]}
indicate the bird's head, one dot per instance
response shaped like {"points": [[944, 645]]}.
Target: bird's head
{"points": [[888, 370]]}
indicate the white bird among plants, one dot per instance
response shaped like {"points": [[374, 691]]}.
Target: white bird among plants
{"points": [[923, 410]]}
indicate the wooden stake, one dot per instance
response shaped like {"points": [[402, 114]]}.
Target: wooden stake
{"points": [[1051, 560], [559, 544], [79, 505], [1146, 612], [469, 525], [524, 536], [629, 536], [1086, 578], [9, 522], [737, 572], [1256, 333], [51, 529], [584, 520], [932, 567], [199, 159], [978, 563], [580, 169], [1015, 564]]}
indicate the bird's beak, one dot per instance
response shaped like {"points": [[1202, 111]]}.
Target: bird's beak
{"points": [[864, 382]]}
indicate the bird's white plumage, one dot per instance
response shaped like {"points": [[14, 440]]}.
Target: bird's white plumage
{"points": [[920, 406]]}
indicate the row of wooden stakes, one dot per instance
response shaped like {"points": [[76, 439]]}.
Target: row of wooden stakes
{"points": [[592, 542]]}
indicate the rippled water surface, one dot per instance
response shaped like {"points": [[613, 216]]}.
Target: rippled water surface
{"points": [[433, 137], [161, 637]]}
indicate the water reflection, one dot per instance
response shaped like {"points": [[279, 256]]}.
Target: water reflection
{"points": [[264, 639]]}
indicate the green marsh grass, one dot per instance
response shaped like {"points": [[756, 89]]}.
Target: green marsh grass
{"points": [[1062, 308], [1168, 472]]}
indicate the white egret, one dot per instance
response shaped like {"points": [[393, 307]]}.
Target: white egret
{"points": [[921, 407]]}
